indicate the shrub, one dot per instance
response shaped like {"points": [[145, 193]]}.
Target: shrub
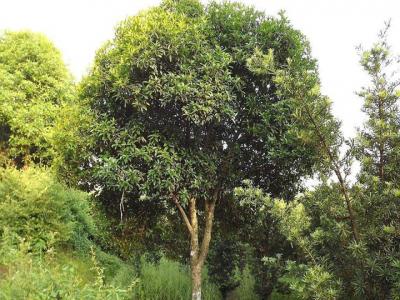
{"points": [[42, 211]]}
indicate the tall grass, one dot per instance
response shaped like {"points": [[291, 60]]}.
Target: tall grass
{"points": [[170, 280]]}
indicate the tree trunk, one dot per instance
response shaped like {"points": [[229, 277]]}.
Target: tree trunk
{"points": [[195, 265], [196, 282], [198, 253]]}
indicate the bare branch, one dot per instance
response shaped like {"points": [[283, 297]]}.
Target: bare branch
{"points": [[121, 205]]}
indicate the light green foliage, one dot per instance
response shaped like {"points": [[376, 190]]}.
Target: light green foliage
{"points": [[315, 124], [42, 211], [272, 241], [261, 64], [190, 8], [296, 220], [315, 280], [311, 282], [34, 84], [70, 142], [377, 148]]}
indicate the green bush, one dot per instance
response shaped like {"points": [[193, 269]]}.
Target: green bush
{"points": [[42, 211]]}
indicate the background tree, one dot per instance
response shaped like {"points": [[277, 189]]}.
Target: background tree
{"points": [[259, 231], [225, 263], [34, 85], [362, 262], [378, 149], [187, 108]]}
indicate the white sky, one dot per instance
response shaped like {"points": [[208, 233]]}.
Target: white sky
{"points": [[334, 28]]}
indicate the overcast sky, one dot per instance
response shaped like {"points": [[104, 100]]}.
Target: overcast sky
{"points": [[334, 28]]}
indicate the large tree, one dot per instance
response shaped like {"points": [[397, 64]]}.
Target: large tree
{"points": [[187, 107], [34, 85]]}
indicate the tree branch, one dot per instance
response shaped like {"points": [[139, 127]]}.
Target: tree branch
{"points": [[338, 174], [183, 213]]}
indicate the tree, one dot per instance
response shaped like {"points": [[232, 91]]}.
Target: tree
{"points": [[34, 85], [187, 107], [378, 150], [355, 247], [379, 141]]}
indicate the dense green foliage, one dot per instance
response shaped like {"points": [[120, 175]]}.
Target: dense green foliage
{"points": [[42, 219], [224, 262], [179, 94]]}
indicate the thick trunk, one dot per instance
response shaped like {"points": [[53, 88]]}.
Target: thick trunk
{"points": [[198, 253], [196, 282]]}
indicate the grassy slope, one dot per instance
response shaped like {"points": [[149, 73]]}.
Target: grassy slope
{"points": [[168, 281]]}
